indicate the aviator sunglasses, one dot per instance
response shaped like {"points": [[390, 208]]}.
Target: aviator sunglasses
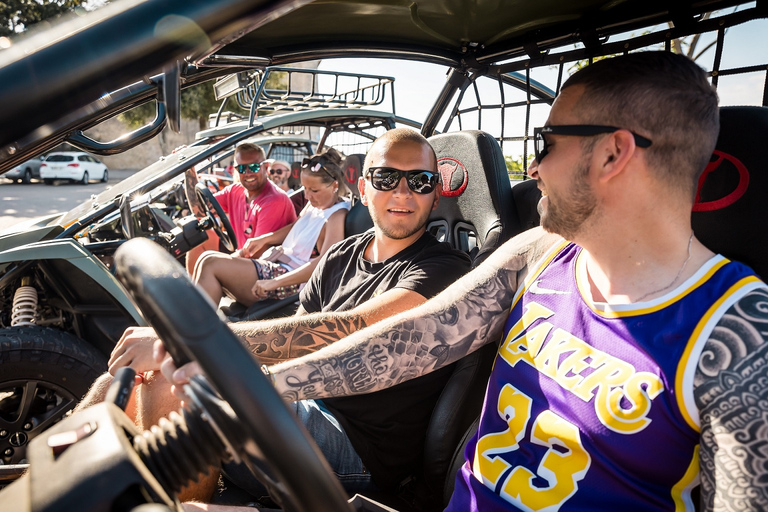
{"points": [[387, 178], [242, 168]]}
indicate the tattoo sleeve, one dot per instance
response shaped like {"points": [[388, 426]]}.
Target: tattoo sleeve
{"points": [[190, 180], [467, 315], [281, 340], [731, 393]]}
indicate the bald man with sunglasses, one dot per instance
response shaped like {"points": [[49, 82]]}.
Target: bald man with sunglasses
{"points": [[366, 278], [255, 206]]}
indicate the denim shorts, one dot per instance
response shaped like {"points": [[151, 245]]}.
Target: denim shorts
{"points": [[333, 443]]}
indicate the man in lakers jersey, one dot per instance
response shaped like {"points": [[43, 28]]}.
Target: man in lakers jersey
{"points": [[632, 360]]}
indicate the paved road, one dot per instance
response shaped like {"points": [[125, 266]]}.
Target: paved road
{"points": [[21, 202]]}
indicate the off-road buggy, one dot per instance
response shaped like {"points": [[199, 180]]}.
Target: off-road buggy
{"points": [[504, 65]]}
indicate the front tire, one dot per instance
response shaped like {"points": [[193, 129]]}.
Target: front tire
{"points": [[84, 181], [27, 177], [105, 178], [44, 374]]}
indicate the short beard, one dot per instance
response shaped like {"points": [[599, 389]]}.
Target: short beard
{"points": [[398, 233], [569, 218]]}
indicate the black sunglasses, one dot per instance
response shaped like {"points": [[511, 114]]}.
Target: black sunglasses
{"points": [[578, 130], [273, 171], [254, 167], [316, 164], [387, 178]]}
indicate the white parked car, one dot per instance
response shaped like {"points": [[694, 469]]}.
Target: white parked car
{"points": [[72, 165]]}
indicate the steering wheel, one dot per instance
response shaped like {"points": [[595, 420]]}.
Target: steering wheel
{"points": [[218, 219], [162, 290]]}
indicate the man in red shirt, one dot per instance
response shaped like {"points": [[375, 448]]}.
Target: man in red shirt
{"points": [[255, 206]]}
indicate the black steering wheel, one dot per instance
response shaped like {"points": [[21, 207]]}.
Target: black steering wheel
{"points": [[216, 217], [161, 289]]}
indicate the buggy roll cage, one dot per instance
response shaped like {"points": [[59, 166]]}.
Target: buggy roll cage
{"points": [[509, 63], [252, 93]]}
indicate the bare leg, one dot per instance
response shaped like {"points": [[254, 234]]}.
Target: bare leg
{"points": [[212, 244], [216, 272], [149, 402], [98, 391], [154, 401]]}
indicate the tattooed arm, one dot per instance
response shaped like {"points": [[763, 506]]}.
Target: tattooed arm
{"points": [[190, 181], [283, 339], [279, 340], [467, 315], [731, 393]]}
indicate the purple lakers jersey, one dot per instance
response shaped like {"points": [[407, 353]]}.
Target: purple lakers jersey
{"points": [[590, 405]]}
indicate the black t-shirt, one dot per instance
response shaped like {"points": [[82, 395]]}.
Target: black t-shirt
{"points": [[387, 427]]}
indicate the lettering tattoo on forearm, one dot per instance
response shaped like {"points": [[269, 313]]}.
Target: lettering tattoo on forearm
{"points": [[273, 342], [731, 392], [406, 346]]}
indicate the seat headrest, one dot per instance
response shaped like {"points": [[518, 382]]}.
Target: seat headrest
{"points": [[731, 200], [294, 180], [477, 196], [352, 167], [358, 219]]}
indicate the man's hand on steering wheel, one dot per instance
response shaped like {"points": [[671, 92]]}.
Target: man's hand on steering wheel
{"points": [[178, 377], [217, 219]]}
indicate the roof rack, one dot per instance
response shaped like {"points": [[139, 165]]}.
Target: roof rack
{"points": [[283, 89]]}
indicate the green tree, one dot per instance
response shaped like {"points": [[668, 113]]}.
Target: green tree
{"points": [[515, 168], [198, 103], [19, 15]]}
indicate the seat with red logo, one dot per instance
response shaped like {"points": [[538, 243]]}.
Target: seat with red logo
{"points": [[477, 211], [352, 167], [731, 196]]}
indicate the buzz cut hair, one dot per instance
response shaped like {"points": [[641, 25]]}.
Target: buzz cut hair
{"points": [[397, 136], [662, 96], [249, 147]]}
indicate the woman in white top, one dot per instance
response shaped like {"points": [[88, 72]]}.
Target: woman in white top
{"points": [[275, 264]]}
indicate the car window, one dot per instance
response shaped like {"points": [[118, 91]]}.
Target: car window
{"points": [[84, 158], [60, 158]]}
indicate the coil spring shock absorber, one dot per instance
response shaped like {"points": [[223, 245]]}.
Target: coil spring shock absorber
{"points": [[24, 310]]}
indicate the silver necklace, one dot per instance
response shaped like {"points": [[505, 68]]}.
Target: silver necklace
{"points": [[679, 273]]}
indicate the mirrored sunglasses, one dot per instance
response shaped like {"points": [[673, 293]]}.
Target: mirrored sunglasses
{"points": [[242, 168], [387, 178]]}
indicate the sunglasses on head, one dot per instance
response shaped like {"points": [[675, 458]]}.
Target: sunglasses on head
{"points": [[387, 178], [316, 164], [242, 168]]}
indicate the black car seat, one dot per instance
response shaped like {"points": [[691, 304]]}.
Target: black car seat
{"points": [[352, 167], [732, 190], [294, 182], [477, 211]]}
